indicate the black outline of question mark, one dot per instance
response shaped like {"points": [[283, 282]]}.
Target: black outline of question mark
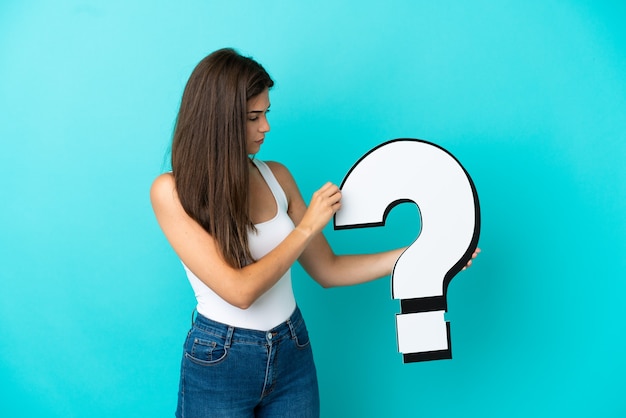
{"points": [[433, 303]]}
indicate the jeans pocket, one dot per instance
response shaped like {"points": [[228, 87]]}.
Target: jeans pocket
{"points": [[301, 338], [205, 349]]}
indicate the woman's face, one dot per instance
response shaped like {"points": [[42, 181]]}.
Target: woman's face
{"points": [[256, 124]]}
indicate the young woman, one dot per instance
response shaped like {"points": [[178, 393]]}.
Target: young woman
{"points": [[238, 224]]}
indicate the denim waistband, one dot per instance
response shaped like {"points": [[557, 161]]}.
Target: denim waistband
{"points": [[285, 329]]}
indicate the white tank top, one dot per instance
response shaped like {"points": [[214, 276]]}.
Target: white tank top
{"points": [[278, 303]]}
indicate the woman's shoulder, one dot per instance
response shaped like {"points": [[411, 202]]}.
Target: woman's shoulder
{"points": [[164, 180], [275, 166], [280, 171], [163, 186], [284, 177]]}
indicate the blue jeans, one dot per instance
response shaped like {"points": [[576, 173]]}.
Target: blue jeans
{"points": [[236, 372]]}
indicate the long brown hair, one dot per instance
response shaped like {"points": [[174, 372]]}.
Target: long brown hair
{"points": [[209, 157]]}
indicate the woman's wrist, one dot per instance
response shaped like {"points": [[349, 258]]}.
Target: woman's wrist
{"points": [[307, 232]]}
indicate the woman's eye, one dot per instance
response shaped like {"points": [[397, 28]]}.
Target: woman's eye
{"points": [[254, 115]]}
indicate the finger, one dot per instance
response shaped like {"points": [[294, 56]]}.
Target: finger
{"points": [[328, 185], [330, 189], [330, 199], [335, 197]]}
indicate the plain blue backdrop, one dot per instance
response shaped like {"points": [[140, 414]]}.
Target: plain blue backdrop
{"points": [[529, 96]]}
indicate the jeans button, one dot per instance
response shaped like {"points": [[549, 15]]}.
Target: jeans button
{"points": [[269, 335]]}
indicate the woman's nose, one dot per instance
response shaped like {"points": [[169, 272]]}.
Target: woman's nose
{"points": [[265, 125]]}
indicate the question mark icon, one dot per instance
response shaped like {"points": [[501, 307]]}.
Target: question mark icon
{"points": [[417, 171]]}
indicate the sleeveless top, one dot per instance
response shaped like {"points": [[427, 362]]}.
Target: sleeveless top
{"points": [[278, 303]]}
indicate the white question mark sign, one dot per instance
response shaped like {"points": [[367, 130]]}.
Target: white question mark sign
{"points": [[413, 170]]}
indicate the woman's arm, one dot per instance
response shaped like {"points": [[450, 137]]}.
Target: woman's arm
{"points": [[319, 260], [200, 253]]}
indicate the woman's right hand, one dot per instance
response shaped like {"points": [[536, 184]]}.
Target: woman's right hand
{"points": [[324, 203]]}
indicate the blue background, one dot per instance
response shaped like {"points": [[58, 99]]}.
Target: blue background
{"points": [[529, 96]]}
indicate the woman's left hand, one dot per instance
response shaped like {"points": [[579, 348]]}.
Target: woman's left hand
{"points": [[469, 263]]}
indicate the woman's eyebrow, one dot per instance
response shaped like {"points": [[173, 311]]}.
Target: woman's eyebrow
{"points": [[259, 111]]}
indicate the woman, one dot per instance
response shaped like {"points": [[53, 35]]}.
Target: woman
{"points": [[238, 224]]}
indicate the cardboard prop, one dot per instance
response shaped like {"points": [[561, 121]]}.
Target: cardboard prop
{"points": [[417, 171]]}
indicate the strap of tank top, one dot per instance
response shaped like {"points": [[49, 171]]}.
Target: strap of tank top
{"points": [[272, 182]]}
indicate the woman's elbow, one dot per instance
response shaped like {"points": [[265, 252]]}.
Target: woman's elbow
{"points": [[241, 301], [243, 305], [325, 281], [324, 273], [238, 297]]}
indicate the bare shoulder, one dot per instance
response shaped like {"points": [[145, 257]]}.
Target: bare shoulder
{"points": [[284, 177], [163, 189], [289, 186], [277, 168]]}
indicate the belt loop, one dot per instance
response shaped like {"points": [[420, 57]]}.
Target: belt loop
{"points": [[292, 329], [229, 337]]}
